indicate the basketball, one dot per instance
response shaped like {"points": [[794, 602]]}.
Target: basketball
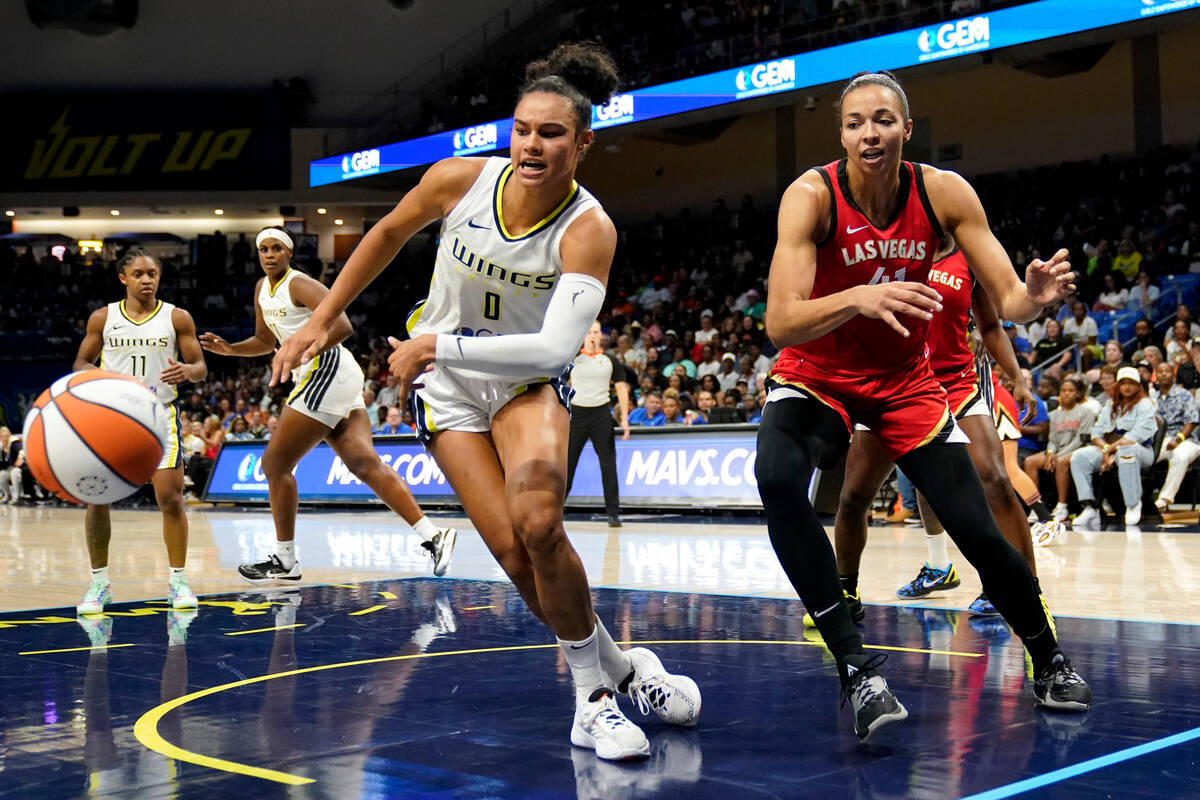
{"points": [[94, 437]]}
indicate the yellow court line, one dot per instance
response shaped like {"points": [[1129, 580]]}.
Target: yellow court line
{"points": [[264, 630], [370, 610], [389, 595], [345, 585], [72, 649], [476, 608], [146, 728], [812, 644]]}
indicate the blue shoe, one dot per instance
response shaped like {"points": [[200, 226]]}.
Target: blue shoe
{"points": [[982, 607], [991, 627], [930, 580]]}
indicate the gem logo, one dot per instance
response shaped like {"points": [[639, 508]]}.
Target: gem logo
{"points": [[251, 469], [770, 76], [954, 38], [474, 139], [618, 109], [363, 161]]}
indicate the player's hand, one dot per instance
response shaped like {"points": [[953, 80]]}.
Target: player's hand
{"points": [[887, 300], [410, 360], [1025, 400], [215, 344], [174, 374], [1047, 281], [300, 348]]}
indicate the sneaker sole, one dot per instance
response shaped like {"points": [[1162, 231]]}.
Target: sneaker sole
{"points": [[261, 581], [185, 605], [1070, 707], [443, 564], [899, 715], [581, 738]]}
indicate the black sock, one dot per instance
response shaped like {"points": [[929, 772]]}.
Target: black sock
{"points": [[1040, 509], [1088, 503], [1042, 649], [849, 583]]}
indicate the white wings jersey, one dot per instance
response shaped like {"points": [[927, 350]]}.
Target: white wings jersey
{"points": [[141, 349], [486, 282], [282, 316]]}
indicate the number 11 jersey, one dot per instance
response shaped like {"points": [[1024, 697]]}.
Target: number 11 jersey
{"points": [[141, 349]]}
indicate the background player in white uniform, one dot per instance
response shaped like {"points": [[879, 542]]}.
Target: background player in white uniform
{"points": [[156, 343], [325, 404], [520, 275]]}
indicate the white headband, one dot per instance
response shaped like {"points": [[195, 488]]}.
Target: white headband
{"points": [[274, 233]]}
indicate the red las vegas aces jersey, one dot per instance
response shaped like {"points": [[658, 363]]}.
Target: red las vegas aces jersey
{"points": [[949, 355], [856, 253]]}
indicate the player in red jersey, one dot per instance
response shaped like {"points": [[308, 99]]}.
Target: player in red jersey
{"points": [[953, 364], [849, 306]]}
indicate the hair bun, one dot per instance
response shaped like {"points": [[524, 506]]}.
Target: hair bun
{"points": [[585, 65]]}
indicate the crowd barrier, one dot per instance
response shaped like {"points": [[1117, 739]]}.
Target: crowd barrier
{"points": [[677, 467]]}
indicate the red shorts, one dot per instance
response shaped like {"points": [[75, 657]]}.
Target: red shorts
{"points": [[904, 409], [1008, 418], [962, 391]]}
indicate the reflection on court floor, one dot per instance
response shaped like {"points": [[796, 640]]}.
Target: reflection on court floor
{"points": [[432, 688]]}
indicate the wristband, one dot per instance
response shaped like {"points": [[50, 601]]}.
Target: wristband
{"points": [[1181, 437]]}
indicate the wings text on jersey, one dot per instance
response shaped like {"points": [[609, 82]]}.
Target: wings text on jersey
{"points": [[117, 341], [488, 269]]}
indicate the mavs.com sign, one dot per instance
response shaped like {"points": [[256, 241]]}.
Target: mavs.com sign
{"points": [[653, 469]]}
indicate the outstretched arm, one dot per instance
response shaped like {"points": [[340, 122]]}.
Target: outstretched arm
{"points": [[964, 218], [260, 344]]}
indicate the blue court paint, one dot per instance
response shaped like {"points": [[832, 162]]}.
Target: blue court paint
{"points": [[1091, 765]]}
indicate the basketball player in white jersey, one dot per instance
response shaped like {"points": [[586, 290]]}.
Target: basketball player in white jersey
{"points": [[519, 277], [325, 404], [156, 343]]}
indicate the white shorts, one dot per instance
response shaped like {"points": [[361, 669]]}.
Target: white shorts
{"points": [[172, 457], [455, 400], [329, 387], [980, 407]]}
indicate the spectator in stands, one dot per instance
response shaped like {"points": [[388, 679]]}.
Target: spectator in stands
{"points": [[1121, 438], [1180, 447], [1056, 350], [394, 424], [727, 378], [707, 332], [1128, 261], [704, 405], [1114, 297], [1114, 357], [749, 407], [389, 395], [1081, 329], [239, 430], [1048, 389], [372, 406], [1020, 344], [225, 411], [1180, 343], [213, 435], [1184, 313], [1143, 336], [656, 292], [680, 359], [1144, 294], [709, 363], [10, 470], [650, 413], [747, 373], [672, 413], [1188, 373], [272, 425], [1070, 428]]}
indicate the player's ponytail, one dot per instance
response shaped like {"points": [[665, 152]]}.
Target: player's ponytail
{"points": [[582, 72]]}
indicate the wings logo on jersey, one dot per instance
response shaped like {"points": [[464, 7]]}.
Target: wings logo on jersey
{"points": [[488, 269]]}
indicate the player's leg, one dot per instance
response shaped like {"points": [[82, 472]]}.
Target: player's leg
{"points": [[296, 435], [945, 474], [168, 490], [867, 467], [97, 529], [351, 441], [795, 436]]}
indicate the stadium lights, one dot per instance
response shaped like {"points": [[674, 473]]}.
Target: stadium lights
{"points": [[338, 222], [218, 211], [10, 213], [115, 212], [89, 245], [321, 211]]}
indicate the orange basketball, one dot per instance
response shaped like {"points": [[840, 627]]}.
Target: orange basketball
{"points": [[94, 437]]}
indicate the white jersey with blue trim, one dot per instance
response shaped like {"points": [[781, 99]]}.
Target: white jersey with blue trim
{"points": [[486, 282], [141, 349]]}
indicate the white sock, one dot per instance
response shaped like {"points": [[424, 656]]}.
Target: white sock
{"points": [[287, 553], [583, 657], [177, 571], [425, 528], [613, 661], [100, 574], [938, 557]]}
